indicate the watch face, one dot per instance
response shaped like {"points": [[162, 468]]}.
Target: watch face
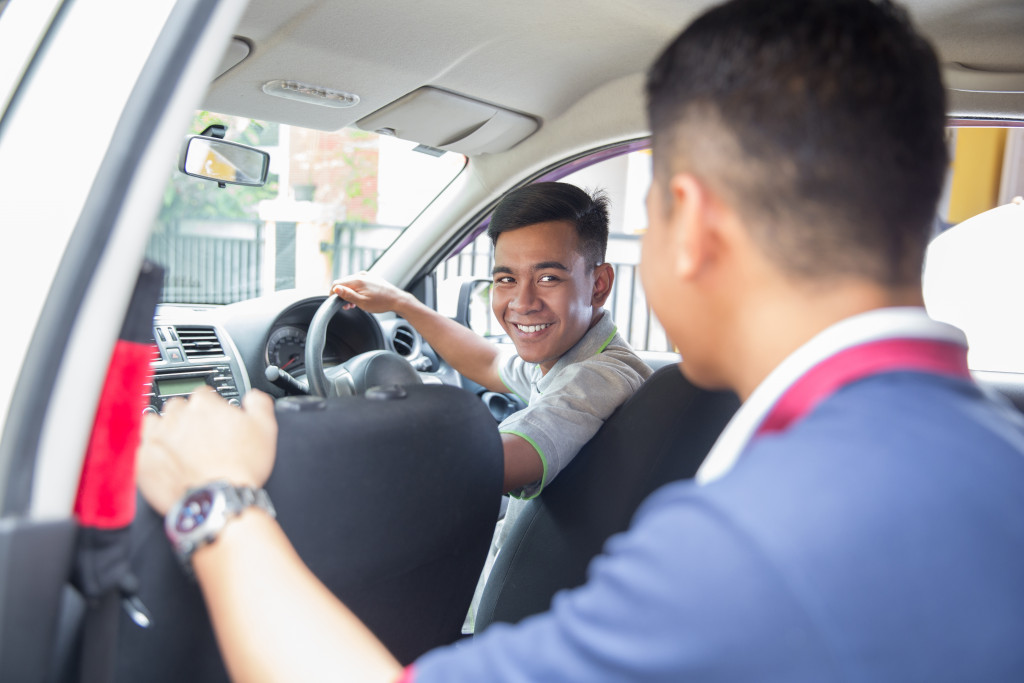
{"points": [[194, 511]]}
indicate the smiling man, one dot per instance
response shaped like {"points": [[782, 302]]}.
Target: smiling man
{"points": [[551, 281]]}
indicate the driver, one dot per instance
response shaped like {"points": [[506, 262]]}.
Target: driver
{"points": [[571, 366]]}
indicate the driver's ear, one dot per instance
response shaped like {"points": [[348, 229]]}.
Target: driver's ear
{"points": [[604, 278]]}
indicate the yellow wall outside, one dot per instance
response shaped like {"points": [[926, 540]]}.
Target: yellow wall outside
{"points": [[977, 168]]}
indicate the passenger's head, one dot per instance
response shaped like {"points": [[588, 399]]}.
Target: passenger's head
{"points": [[820, 122], [547, 202], [550, 278]]}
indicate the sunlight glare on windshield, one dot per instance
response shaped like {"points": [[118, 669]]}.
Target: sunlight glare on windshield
{"points": [[333, 203]]}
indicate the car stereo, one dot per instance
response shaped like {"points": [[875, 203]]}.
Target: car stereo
{"points": [[168, 383]]}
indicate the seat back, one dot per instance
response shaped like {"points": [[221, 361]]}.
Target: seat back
{"points": [[661, 434], [391, 503]]}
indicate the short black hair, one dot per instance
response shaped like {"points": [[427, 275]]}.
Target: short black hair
{"points": [[545, 202], [821, 121]]}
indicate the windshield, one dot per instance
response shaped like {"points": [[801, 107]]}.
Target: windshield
{"points": [[333, 203]]}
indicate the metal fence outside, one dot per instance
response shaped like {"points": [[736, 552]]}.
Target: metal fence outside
{"points": [[225, 266], [216, 269], [357, 245]]}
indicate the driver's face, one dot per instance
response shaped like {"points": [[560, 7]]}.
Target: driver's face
{"points": [[543, 291]]}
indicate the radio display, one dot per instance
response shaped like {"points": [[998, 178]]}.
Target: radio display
{"points": [[177, 387]]}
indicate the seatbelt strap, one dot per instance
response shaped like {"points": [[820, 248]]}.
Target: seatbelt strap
{"points": [[105, 503]]}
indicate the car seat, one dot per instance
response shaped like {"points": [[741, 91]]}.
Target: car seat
{"points": [[661, 434], [389, 498]]}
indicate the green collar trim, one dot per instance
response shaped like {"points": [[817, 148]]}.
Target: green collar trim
{"points": [[615, 331]]}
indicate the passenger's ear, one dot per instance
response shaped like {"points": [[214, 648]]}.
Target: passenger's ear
{"points": [[604, 278], [692, 220]]}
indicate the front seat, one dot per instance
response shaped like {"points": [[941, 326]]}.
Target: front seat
{"points": [[389, 498], [661, 434]]}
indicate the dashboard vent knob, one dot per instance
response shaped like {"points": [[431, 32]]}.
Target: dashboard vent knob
{"points": [[199, 342]]}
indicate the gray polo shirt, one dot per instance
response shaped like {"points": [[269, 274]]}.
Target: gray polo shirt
{"points": [[569, 404]]}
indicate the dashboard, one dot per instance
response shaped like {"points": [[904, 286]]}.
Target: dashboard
{"points": [[230, 347]]}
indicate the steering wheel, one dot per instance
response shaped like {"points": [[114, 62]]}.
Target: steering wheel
{"points": [[356, 375]]}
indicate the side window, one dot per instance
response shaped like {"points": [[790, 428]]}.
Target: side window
{"points": [[972, 271], [625, 177]]}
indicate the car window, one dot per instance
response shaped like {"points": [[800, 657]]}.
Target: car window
{"points": [[971, 283], [971, 276], [625, 174], [333, 203]]}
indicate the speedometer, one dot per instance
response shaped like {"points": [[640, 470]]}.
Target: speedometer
{"points": [[286, 348]]}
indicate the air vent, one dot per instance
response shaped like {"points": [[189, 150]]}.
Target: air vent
{"points": [[199, 342], [405, 341]]}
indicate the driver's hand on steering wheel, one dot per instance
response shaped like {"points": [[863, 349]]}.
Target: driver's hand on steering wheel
{"points": [[205, 439], [369, 292]]}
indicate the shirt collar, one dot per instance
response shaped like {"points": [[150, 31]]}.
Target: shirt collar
{"points": [[886, 323], [592, 343]]}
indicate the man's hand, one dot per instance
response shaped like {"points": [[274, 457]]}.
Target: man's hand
{"points": [[301, 631], [369, 292], [471, 355], [205, 439]]}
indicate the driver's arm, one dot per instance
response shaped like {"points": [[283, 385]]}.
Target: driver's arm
{"points": [[273, 618], [471, 355]]}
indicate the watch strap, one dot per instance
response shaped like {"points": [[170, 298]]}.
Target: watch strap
{"points": [[249, 496], [230, 502]]}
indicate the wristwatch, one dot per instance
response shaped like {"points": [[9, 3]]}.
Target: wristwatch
{"points": [[199, 517]]}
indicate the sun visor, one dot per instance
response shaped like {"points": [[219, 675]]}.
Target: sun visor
{"points": [[967, 79], [236, 51], [441, 119]]}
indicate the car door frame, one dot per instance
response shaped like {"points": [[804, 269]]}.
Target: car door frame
{"points": [[82, 216]]}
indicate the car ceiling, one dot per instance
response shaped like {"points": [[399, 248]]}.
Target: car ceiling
{"points": [[534, 57], [531, 56]]}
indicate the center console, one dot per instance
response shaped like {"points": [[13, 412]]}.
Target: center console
{"points": [[189, 357]]}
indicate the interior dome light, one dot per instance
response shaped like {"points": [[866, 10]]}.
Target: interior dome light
{"points": [[311, 94]]}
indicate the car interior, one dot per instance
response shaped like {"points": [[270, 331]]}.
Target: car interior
{"points": [[389, 469]]}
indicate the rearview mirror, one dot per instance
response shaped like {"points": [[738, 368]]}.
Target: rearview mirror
{"points": [[226, 163]]}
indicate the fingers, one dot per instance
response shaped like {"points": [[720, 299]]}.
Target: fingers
{"points": [[368, 292], [358, 279], [147, 438], [350, 297], [258, 403], [173, 407], [205, 439], [260, 407], [152, 464], [342, 289], [205, 398]]}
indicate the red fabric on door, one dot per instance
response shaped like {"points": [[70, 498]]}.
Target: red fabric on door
{"points": [[106, 491]]}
